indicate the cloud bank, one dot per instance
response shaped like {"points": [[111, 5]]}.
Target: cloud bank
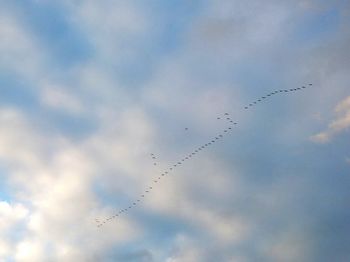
{"points": [[90, 88]]}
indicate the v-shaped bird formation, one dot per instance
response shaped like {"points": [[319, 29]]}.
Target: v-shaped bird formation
{"points": [[171, 169]]}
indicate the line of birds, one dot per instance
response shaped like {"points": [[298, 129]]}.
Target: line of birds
{"points": [[154, 158], [192, 154]]}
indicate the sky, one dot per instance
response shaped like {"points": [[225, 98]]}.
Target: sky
{"points": [[91, 88]]}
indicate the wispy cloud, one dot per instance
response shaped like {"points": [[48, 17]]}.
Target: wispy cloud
{"points": [[340, 124]]}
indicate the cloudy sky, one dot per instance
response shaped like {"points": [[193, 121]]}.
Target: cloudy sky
{"points": [[90, 88]]}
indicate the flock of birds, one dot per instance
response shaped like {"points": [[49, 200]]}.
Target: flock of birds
{"points": [[188, 157]]}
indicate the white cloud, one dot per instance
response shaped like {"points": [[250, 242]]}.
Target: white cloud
{"points": [[340, 124], [10, 216], [58, 188], [57, 97], [185, 249], [30, 250], [5, 249]]}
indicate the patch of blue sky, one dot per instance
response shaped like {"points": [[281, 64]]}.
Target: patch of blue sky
{"points": [[22, 96], [315, 27], [117, 200], [256, 77], [170, 22], [161, 233], [161, 226], [5, 190], [50, 24], [71, 126], [173, 19], [15, 92]]}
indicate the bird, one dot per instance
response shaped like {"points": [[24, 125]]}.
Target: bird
{"points": [[186, 128]]}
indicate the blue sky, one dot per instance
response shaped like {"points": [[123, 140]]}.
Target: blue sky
{"points": [[89, 89]]}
